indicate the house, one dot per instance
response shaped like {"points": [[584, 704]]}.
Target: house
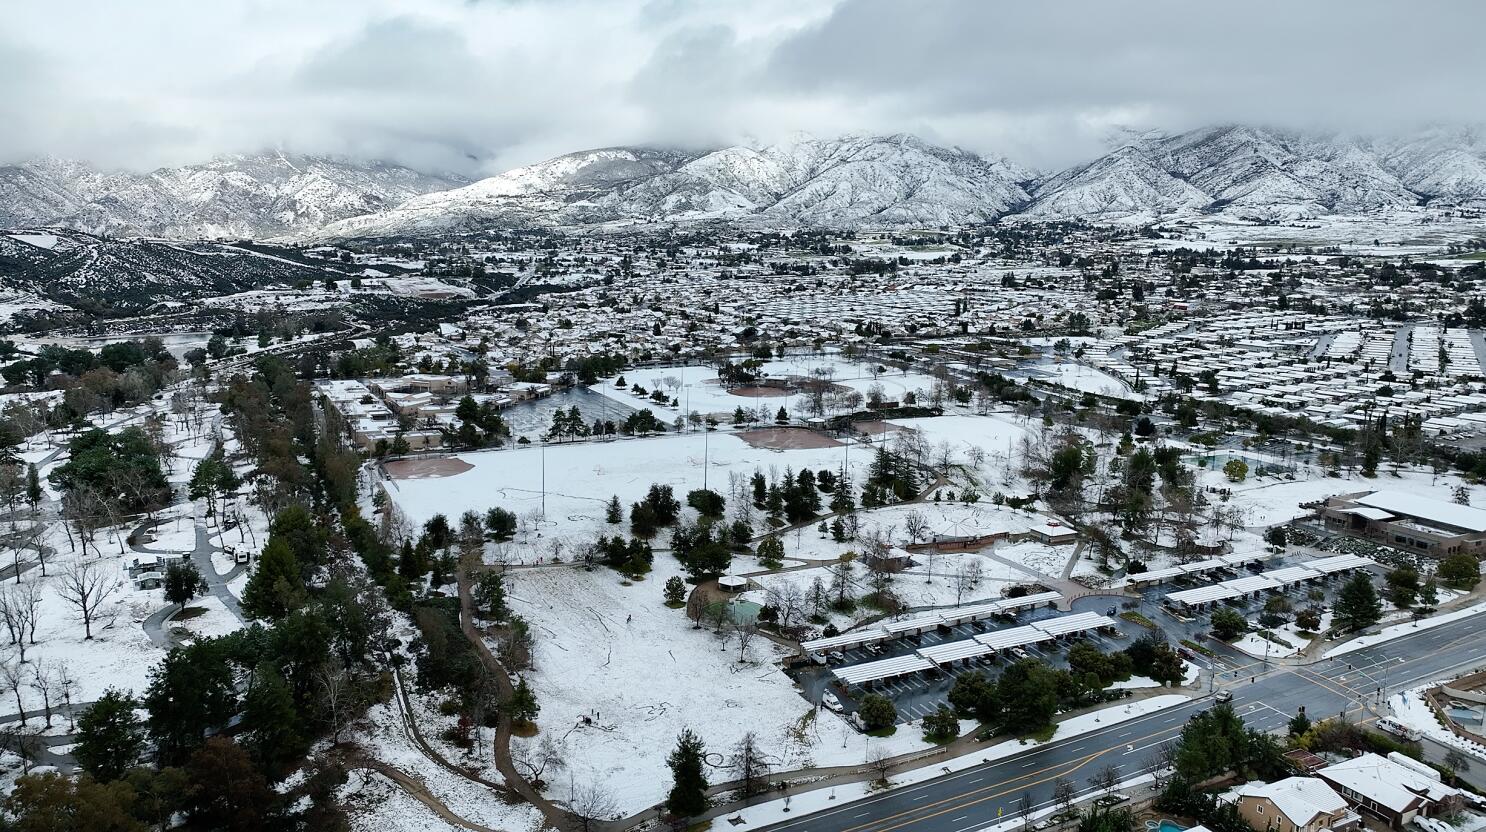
{"points": [[1391, 790], [893, 559], [1295, 804], [1053, 532], [1408, 521]]}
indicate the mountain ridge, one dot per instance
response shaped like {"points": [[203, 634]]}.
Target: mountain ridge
{"points": [[851, 181], [240, 195]]}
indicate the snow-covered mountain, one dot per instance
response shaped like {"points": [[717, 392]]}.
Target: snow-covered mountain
{"points": [[529, 195], [844, 182], [230, 196], [1253, 172]]}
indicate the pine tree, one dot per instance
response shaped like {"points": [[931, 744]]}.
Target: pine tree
{"points": [[1357, 603], [675, 591], [522, 706], [109, 736], [272, 720], [33, 487], [276, 586], [688, 796]]}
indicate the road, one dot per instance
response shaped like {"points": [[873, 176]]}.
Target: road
{"points": [[982, 795]]}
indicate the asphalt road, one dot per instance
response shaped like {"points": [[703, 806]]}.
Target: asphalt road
{"points": [[983, 795]]}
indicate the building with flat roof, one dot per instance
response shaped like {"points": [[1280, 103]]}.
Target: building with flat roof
{"points": [[1408, 521]]}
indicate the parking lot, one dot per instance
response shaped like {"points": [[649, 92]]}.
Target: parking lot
{"points": [[919, 694]]}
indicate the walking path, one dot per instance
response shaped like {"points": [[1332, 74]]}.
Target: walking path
{"points": [[201, 556]]}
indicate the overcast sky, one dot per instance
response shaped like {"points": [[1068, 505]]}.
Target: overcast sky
{"points": [[478, 86]]}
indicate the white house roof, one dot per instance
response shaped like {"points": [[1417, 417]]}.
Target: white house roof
{"points": [[1386, 782], [1300, 799], [1425, 508]]}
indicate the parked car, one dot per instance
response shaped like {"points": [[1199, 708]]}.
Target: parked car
{"points": [[836, 656], [831, 702], [818, 658], [873, 649], [1019, 654], [241, 556]]}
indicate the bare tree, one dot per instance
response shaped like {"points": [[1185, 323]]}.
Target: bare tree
{"points": [[87, 586], [1024, 809], [1106, 778], [67, 687], [44, 682], [591, 803], [750, 765], [916, 524], [744, 629], [966, 578], [20, 606], [944, 457], [534, 758], [788, 599], [1063, 794], [21, 540], [334, 688], [13, 676], [879, 762]]}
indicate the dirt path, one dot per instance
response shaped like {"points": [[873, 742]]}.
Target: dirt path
{"points": [[553, 814], [417, 791], [410, 727]]}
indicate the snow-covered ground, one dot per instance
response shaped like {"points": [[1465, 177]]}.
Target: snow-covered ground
{"points": [[580, 478], [1410, 708]]}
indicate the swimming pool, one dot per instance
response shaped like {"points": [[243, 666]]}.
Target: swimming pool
{"points": [[1166, 825]]}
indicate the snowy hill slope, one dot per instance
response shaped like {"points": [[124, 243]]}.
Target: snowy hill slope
{"points": [[850, 181], [846, 182], [1253, 172], [231, 196], [106, 275]]}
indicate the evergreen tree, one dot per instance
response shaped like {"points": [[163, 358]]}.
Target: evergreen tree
{"points": [[1460, 571], [877, 711], [276, 586], [614, 512], [272, 721], [675, 591], [109, 737], [1357, 603], [1299, 724], [522, 706], [183, 582], [688, 795], [490, 595], [33, 487]]}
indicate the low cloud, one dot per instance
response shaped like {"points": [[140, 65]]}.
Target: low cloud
{"points": [[478, 87]]}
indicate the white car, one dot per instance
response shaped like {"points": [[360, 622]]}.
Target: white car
{"points": [[818, 658], [831, 702], [836, 656], [1019, 654]]}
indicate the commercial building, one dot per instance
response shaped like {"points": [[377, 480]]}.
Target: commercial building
{"points": [[1408, 521]]}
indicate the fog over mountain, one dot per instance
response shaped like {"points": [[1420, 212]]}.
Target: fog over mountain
{"points": [[482, 87]]}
